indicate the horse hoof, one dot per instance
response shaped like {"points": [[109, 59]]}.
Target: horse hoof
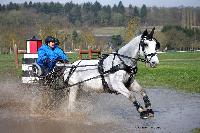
{"points": [[150, 112], [147, 105], [144, 115]]}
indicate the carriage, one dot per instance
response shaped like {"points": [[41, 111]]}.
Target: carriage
{"points": [[112, 73]]}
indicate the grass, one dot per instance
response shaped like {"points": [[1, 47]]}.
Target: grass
{"points": [[7, 65], [176, 70], [196, 130]]}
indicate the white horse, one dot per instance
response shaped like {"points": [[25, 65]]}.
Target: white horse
{"points": [[115, 73]]}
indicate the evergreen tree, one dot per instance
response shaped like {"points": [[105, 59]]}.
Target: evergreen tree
{"points": [[96, 7], [121, 8], [143, 12], [68, 6], [136, 12], [87, 7], [116, 41], [30, 4], [105, 15], [75, 14], [130, 11], [25, 5], [114, 8]]}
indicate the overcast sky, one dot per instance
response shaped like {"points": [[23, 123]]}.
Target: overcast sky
{"points": [[159, 3]]}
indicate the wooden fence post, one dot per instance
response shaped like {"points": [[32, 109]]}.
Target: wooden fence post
{"points": [[80, 53], [90, 53], [16, 56]]}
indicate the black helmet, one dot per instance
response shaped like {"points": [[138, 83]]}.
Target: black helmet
{"points": [[49, 39], [57, 41]]}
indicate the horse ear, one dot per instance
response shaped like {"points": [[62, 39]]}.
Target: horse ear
{"points": [[151, 34], [145, 33], [157, 45]]}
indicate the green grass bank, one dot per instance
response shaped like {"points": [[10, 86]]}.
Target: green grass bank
{"points": [[176, 70]]}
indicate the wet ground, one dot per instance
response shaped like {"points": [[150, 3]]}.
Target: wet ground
{"points": [[21, 111]]}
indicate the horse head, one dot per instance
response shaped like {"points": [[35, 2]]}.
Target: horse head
{"points": [[148, 48]]}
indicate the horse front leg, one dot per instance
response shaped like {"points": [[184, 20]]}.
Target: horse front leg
{"points": [[137, 88], [118, 86]]}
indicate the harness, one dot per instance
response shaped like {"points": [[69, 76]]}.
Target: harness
{"points": [[131, 70]]}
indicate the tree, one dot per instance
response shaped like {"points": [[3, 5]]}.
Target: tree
{"points": [[89, 38], [58, 8], [143, 13], [87, 16], [114, 8], [68, 6], [74, 38], [30, 4], [116, 41], [136, 12], [25, 4], [12, 6], [121, 8], [75, 14], [117, 19], [131, 29], [96, 7], [178, 38], [87, 7], [130, 11], [105, 15]]}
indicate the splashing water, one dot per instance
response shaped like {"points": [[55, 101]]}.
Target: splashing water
{"points": [[36, 109]]}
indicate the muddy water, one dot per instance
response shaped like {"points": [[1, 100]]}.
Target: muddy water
{"points": [[22, 111]]}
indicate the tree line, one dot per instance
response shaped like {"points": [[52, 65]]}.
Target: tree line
{"points": [[95, 13], [73, 23], [86, 14]]}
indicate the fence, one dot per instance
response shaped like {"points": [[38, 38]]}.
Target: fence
{"points": [[92, 54], [17, 52]]}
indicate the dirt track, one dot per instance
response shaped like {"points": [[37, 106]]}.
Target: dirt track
{"points": [[20, 113]]}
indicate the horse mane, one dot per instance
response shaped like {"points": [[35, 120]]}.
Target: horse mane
{"points": [[129, 50], [131, 47]]}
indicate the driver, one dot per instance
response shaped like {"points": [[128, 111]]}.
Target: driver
{"points": [[48, 54]]}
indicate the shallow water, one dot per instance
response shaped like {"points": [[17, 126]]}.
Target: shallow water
{"points": [[21, 111]]}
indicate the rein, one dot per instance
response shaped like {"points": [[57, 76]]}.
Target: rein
{"points": [[122, 66], [129, 69]]}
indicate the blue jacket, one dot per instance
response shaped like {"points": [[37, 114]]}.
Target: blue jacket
{"points": [[47, 57]]}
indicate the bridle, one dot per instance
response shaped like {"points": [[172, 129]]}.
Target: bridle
{"points": [[142, 44]]}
